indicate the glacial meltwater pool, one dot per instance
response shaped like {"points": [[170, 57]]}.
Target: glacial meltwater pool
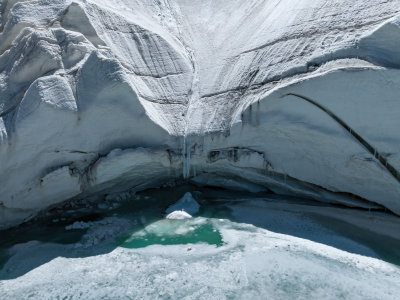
{"points": [[174, 232], [238, 246]]}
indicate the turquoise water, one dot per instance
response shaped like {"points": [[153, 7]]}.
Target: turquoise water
{"points": [[145, 213], [238, 246], [174, 232]]}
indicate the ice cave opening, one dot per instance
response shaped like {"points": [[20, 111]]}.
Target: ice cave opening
{"points": [[213, 149]]}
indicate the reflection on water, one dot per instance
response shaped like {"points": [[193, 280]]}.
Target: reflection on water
{"points": [[385, 247]]}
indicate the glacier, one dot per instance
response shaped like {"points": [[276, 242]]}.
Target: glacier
{"points": [[100, 99], [239, 245]]}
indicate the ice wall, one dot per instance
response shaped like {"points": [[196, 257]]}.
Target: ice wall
{"points": [[212, 91]]}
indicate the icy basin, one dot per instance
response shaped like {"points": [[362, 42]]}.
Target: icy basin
{"points": [[175, 232], [236, 247]]}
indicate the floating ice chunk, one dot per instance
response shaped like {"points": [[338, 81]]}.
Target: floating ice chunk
{"points": [[178, 215], [187, 204]]}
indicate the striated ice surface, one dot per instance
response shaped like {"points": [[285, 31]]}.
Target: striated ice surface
{"points": [[101, 99]]}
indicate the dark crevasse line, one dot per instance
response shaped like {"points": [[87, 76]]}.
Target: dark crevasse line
{"points": [[384, 162], [322, 32]]}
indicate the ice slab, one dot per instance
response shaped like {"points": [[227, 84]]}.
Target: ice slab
{"points": [[187, 204]]}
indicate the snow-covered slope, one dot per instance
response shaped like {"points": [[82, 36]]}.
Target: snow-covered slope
{"points": [[299, 98]]}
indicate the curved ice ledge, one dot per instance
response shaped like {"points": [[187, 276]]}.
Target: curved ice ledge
{"points": [[100, 100]]}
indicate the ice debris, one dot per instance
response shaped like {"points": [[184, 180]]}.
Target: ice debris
{"points": [[178, 215], [186, 204]]}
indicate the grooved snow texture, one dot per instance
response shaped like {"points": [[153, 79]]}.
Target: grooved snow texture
{"points": [[198, 86]]}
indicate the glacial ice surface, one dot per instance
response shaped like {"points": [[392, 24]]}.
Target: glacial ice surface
{"points": [[102, 99], [258, 247]]}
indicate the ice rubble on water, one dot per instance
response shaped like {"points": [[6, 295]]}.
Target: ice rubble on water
{"points": [[187, 204], [252, 262], [100, 97]]}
